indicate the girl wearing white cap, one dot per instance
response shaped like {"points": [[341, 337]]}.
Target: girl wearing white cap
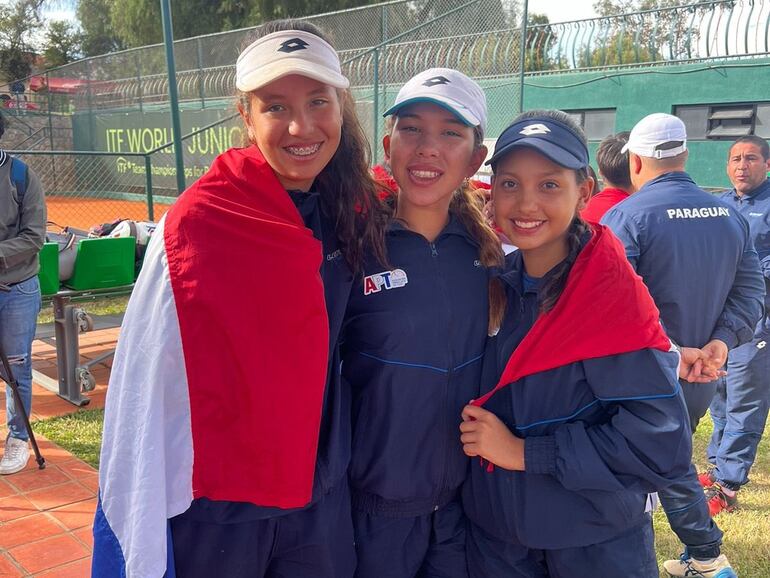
{"points": [[227, 433], [415, 332]]}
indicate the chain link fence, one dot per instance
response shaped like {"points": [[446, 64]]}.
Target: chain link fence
{"points": [[88, 188], [380, 47], [478, 36], [85, 189]]}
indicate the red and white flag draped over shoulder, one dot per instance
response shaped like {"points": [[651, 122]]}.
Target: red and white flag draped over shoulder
{"points": [[605, 309], [217, 385]]}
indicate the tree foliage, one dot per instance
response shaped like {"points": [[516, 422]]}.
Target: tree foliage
{"points": [[95, 18], [541, 38], [138, 22], [62, 44], [18, 19], [645, 38]]}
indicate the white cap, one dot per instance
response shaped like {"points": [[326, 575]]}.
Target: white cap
{"points": [[447, 88], [288, 52], [655, 130]]}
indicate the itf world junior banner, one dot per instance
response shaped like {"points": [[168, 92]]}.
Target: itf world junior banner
{"points": [[143, 132]]}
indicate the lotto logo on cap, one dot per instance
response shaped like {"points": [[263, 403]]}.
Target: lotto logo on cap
{"points": [[449, 89]]}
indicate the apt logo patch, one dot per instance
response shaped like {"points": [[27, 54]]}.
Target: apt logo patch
{"points": [[386, 280]]}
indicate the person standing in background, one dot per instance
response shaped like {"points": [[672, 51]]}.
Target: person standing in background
{"points": [[676, 234], [22, 234], [613, 169], [739, 408]]}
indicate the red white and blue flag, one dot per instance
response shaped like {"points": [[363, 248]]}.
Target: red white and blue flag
{"points": [[217, 384], [605, 309]]}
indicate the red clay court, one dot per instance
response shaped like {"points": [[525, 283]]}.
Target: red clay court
{"points": [[82, 213]]}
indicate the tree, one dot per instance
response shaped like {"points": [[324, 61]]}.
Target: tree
{"points": [[541, 37], [96, 24], [62, 44], [18, 19], [643, 37], [138, 22]]}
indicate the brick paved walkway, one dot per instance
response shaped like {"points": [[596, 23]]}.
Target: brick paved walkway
{"points": [[46, 515]]}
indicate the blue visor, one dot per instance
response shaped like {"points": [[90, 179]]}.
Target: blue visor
{"points": [[548, 136]]}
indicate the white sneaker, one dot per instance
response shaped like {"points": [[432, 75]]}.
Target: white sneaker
{"points": [[690, 567], [15, 457]]}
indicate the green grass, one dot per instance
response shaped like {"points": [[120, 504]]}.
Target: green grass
{"points": [[103, 306], [747, 530], [79, 433]]}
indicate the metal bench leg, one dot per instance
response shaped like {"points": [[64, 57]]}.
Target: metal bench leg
{"points": [[68, 320]]}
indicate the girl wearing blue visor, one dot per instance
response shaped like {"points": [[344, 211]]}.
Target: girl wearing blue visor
{"points": [[415, 335], [582, 415]]}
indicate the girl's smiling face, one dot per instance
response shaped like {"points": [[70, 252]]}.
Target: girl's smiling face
{"points": [[297, 124], [535, 201], [431, 152]]}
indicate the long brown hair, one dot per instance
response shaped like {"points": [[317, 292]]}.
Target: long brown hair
{"points": [[554, 285], [468, 206], [348, 191]]}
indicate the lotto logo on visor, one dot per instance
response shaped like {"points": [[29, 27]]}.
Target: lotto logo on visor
{"points": [[293, 45], [385, 280], [287, 52], [535, 129]]}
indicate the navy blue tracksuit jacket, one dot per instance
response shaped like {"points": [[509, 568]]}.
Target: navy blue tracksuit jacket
{"points": [[599, 435], [696, 258], [414, 339], [755, 208]]}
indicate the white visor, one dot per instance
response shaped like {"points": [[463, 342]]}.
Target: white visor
{"points": [[288, 52]]}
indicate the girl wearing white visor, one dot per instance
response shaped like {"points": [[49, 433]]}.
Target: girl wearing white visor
{"points": [[227, 434]]}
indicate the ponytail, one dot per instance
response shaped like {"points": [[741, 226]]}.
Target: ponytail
{"points": [[468, 205], [552, 289]]}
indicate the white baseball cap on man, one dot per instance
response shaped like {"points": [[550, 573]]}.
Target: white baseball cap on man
{"points": [[448, 88], [288, 52], [650, 136]]}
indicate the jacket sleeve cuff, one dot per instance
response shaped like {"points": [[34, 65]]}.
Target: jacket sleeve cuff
{"points": [[540, 455], [726, 335]]}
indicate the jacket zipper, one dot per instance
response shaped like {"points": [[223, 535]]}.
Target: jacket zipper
{"points": [[447, 382]]}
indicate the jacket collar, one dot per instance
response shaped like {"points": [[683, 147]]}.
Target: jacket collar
{"points": [[453, 227], [761, 192], [514, 269], [666, 177]]}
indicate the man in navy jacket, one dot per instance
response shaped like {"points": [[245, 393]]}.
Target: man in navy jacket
{"points": [[739, 409], [676, 236]]}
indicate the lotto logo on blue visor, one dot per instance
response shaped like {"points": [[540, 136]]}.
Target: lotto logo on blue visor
{"points": [[550, 137]]}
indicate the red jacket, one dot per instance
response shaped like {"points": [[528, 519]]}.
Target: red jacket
{"points": [[602, 202]]}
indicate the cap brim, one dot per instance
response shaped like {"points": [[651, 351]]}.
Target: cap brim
{"points": [[550, 150], [461, 113], [264, 75]]}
